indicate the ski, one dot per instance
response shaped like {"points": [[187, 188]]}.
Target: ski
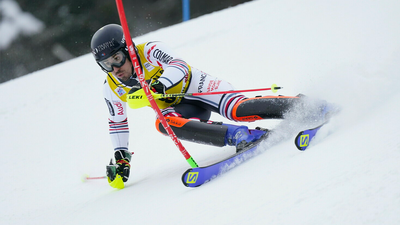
{"points": [[195, 177], [304, 138]]}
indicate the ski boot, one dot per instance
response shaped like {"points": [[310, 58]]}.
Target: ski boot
{"points": [[242, 136], [212, 133]]}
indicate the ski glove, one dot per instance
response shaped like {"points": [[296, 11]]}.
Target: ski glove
{"points": [[137, 98], [157, 87], [119, 172]]}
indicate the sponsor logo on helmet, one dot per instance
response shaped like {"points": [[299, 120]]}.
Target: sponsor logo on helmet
{"points": [[104, 46]]}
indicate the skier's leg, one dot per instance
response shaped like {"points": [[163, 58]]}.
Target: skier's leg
{"points": [[211, 133], [198, 108], [193, 110], [266, 107], [298, 108], [236, 107]]}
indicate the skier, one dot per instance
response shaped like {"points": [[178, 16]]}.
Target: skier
{"points": [[188, 117]]}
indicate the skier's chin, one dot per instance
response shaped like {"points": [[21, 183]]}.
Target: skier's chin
{"points": [[122, 76]]}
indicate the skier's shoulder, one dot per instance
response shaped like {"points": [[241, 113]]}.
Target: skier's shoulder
{"points": [[107, 88], [152, 43], [113, 90], [145, 45], [106, 84], [150, 46]]}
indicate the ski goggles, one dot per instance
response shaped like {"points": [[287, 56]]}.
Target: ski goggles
{"points": [[117, 60]]}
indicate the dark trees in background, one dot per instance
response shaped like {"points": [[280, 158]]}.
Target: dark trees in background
{"points": [[69, 26]]}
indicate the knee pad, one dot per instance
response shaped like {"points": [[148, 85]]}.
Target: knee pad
{"points": [[266, 107], [194, 131]]}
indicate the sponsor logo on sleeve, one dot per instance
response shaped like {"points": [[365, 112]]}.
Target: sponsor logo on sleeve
{"points": [[213, 85], [148, 66], [201, 83], [110, 107], [120, 91], [119, 107], [162, 56]]}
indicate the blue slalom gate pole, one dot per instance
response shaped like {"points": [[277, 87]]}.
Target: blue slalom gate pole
{"points": [[186, 10]]}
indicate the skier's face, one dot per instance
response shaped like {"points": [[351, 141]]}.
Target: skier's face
{"points": [[124, 72]]}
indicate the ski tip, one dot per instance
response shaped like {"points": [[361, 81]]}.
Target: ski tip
{"points": [[185, 177], [302, 141], [191, 178]]}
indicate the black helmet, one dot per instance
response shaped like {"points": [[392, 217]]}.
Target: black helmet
{"points": [[107, 41]]}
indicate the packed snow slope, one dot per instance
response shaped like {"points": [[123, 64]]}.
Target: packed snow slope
{"points": [[54, 126]]}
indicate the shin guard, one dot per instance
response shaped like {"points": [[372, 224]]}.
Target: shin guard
{"points": [[266, 107], [194, 131]]}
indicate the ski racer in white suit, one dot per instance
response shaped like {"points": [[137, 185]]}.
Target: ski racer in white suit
{"points": [[168, 73]]}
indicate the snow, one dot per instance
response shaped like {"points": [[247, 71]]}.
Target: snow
{"points": [[54, 127]]}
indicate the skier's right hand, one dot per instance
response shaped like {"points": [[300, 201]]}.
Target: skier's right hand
{"points": [[121, 168], [122, 158]]}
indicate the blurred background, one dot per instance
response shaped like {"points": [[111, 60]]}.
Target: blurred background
{"points": [[35, 34]]}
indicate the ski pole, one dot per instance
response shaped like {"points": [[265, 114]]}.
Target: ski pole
{"points": [[94, 178], [274, 89], [145, 86], [86, 177], [139, 99]]}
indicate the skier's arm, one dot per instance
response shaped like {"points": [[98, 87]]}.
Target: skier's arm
{"points": [[117, 119], [175, 69]]}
